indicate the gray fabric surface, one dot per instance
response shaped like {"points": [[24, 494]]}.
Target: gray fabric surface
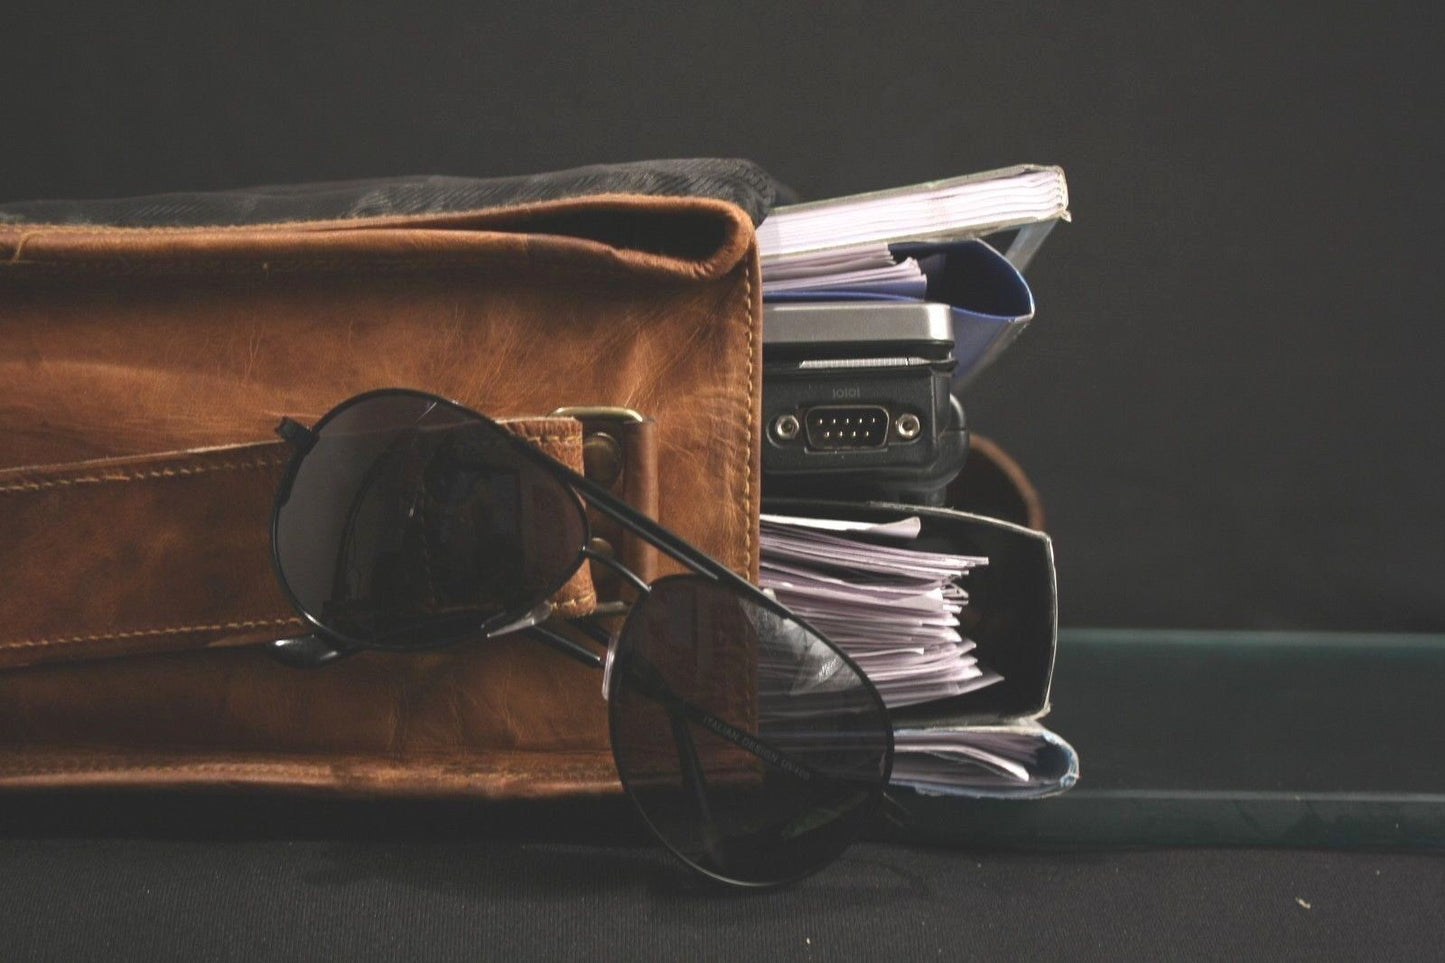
{"points": [[739, 181], [308, 899]]}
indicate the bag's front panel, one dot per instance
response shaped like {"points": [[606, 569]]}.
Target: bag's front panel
{"points": [[134, 348]]}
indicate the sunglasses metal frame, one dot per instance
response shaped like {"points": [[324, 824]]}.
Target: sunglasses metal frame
{"points": [[325, 645]]}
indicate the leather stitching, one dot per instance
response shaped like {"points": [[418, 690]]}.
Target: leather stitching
{"points": [[362, 265], [140, 476], [749, 425], [461, 220], [580, 604], [570, 441], [110, 764], [247, 263], [150, 633], [509, 215]]}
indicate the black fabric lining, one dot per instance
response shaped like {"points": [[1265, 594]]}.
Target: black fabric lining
{"points": [[515, 888]]}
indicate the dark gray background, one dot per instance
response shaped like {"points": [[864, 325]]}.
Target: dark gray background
{"points": [[1229, 397]]}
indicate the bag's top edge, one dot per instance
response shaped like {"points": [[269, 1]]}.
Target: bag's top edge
{"points": [[736, 181], [690, 238]]}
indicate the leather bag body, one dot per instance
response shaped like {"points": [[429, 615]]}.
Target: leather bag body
{"points": [[120, 345]]}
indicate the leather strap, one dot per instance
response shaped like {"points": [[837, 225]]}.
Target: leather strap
{"points": [[620, 451], [172, 551]]}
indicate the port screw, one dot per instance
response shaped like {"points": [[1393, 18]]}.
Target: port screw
{"points": [[786, 427], [908, 426]]}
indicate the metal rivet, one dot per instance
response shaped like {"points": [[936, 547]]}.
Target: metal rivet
{"points": [[602, 458]]}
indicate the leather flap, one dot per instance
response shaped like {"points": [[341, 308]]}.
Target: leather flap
{"points": [[118, 343]]}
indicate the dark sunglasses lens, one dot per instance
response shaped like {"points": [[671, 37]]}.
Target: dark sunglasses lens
{"points": [[411, 522], [753, 749]]}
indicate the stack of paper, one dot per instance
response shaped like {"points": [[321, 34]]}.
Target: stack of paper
{"points": [[870, 268], [893, 608], [970, 206], [958, 761]]}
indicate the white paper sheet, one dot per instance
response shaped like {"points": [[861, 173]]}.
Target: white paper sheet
{"points": [[893, 607], [903, 528], [947, 761], [968, 206]]}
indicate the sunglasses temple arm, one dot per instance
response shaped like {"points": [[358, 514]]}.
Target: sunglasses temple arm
{"points": [[623, 572], [567, 647], [625, 515], [594, 631], [650, 683], [694, 777], [895, 812]]}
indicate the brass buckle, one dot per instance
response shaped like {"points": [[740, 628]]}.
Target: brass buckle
{"points": [[602, 447], [613, 412]]}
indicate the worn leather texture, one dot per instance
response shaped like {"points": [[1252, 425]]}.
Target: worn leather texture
{"points": [[124, 343], [201, 577]]}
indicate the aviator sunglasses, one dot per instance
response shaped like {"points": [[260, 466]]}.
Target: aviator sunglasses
{"points": [[753, 747]]}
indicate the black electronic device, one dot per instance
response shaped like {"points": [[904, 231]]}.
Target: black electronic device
{"points": [[857, 402]]}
